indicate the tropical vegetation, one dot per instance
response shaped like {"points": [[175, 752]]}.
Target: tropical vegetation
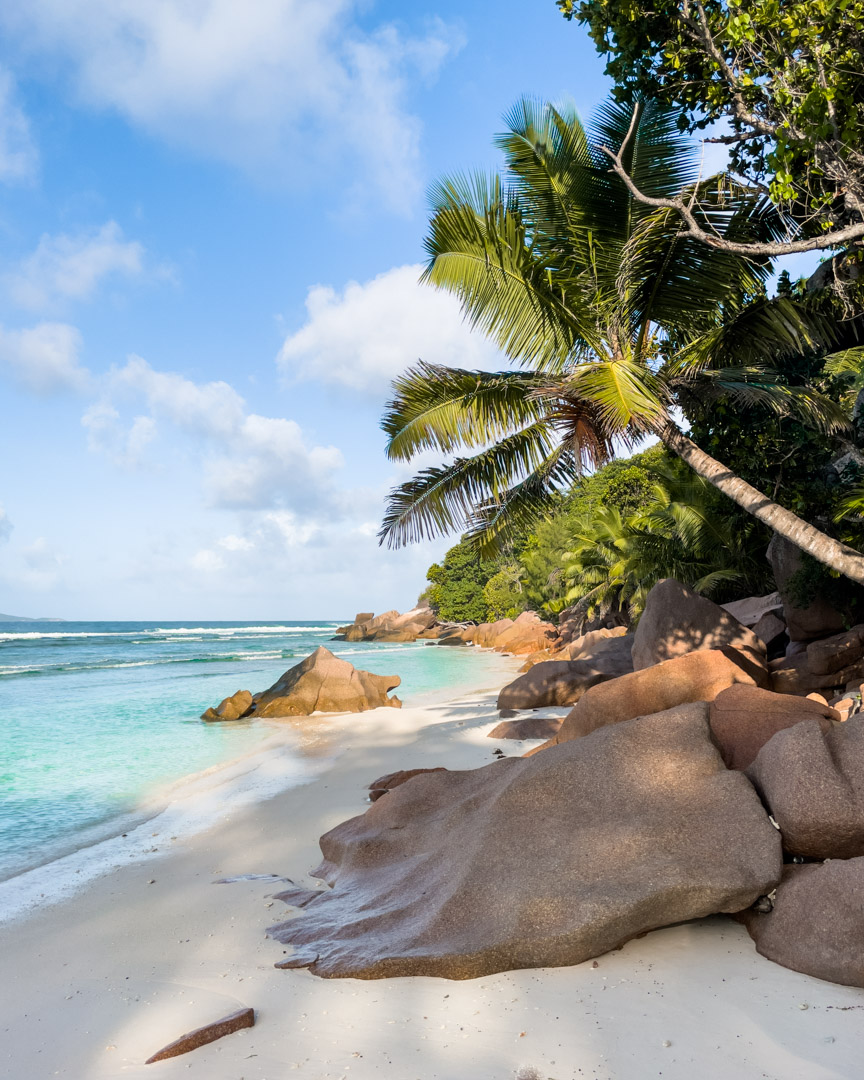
{"points": [[784, 82], [619, 325]]}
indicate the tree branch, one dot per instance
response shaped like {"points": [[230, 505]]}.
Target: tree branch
{"points": [[758, 250]]}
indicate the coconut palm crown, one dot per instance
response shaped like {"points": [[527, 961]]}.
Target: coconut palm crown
{"points": [[610, 317]]}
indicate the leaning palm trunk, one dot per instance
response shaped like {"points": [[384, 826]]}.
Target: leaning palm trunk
{"points": [[825, 549]]}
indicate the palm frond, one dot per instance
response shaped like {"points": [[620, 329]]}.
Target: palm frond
{"points": [[763, 331], [443, 408], [443, 498], [749, 387]]}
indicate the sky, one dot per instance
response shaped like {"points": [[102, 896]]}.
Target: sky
{"points": [[211, 231]]}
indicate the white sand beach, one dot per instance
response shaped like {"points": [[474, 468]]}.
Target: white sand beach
{"points": [[95, 984]]}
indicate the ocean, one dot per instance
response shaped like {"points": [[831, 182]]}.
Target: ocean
{"points": [[100, 728]]}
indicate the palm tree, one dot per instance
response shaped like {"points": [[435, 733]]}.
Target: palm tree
{"points": [[609, 312]]}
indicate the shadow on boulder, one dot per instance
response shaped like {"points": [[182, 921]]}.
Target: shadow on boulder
{"points": [[537, 862]]}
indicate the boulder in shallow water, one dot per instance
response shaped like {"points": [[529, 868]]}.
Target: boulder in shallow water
{"points": [[537, 862], [231, 708], [816, 924], [812, 781], [324, 683]]}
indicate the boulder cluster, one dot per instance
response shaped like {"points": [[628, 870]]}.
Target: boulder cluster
{"points": [[320, 683], [688, 782], [527, 634]]}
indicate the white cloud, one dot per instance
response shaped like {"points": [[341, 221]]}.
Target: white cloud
{"points": [[107, 434], [289, 85], [5, 525], [213, 409], [365, 335], [44, 358], [269, 458], [18, 156], [42, 565], [269, 536], [235, 543], [206, 561], [249, 461], [68, 267]]}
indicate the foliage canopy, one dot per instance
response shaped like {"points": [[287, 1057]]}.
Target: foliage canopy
{"points": [[786, 76]]}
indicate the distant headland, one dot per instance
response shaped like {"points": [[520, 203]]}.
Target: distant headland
{"points": [[25, 618]]}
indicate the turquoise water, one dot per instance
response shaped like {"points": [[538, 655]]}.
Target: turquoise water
{"points": [[96, 716]]}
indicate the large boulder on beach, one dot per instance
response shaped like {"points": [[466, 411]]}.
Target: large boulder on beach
{"points": [[816, 924], [527, 634], [696, 676], [537, 862], [792, 675], [818, 617], [563, 682], [744, 718], [385, 635], [677, 621], [416, 621], [836, 653], [588, 643], [812, 781], [527, 727], [231, 708], [324, 683], [386, 783], [487, 634], [752, 609]]}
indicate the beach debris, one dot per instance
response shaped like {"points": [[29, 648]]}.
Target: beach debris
{"points": [[243, 1018], [744, 718], [595, 854], [250, 877], [816, 925], [324, 683], [231, 708], [528, 727], [392, 780], [812, 782]]}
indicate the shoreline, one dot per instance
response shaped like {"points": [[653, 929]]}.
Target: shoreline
{"points": [[69, 864], [150, 950]]}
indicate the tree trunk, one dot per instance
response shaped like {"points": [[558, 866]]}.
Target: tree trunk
{"points": [[825, 549]]}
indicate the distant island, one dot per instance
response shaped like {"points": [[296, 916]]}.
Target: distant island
{"points": [[25, 618]]}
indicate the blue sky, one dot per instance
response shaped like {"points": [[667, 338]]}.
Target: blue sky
{"points": [[211, 219]]}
